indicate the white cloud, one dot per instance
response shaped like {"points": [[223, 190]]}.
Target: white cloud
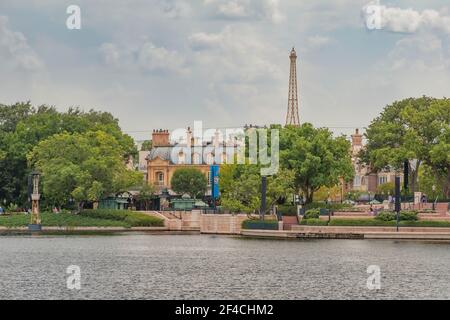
{"points": [[236, 53], [318, 41], [176, 8], [145, 57], [421, 53], [246, 9], [410, 20], [14, 49], [232, 9]]}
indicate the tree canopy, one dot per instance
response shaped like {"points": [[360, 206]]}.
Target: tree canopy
{"points": [[316, 158], [82, 166], [414, 130], [189, 181], [22, 127], [240, 186]]}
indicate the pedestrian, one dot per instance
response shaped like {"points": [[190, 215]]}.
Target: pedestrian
{"points": [[1, 210], [424, 198]]}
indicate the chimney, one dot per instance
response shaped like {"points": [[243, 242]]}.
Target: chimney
{"points": [[357, 138], [160, 138], [189, 138], [216, 139]]}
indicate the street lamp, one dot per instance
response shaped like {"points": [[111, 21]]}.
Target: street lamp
{"points": [[35, 224], [434, 196]]}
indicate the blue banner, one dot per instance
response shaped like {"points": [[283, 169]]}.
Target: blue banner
{"points": [[215, 181]]}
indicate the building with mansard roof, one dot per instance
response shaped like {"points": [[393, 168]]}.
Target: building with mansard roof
{"points": [[167, 156], [367, 180]]}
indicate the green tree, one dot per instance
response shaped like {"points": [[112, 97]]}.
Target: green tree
{"points": [[241, 187], [82, 166], [189, 181], [386, 188], [146, 194], [146, 145], [22, 127], [316, 158], [411, 129]]}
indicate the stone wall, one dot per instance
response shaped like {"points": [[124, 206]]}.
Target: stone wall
{"points": [[221, 223]]}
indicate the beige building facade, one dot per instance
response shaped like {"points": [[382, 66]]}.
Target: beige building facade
{"points": [[366, 180], [166, 157]]}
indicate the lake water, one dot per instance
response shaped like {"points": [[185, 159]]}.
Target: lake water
{"points": [[144, 266]]}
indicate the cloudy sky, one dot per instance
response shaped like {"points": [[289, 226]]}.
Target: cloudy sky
{"points": [[166, 63]]}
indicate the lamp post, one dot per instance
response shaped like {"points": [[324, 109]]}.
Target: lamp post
{"points": [[263, 197], [35, 224], [434, 196]]}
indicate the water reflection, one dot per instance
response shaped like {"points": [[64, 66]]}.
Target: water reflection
{"points": [[139, 266]]}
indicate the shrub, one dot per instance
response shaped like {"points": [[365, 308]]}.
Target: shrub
{"points": [[409, 216], [426, 224], [314, 222], [287, 210], [386, 216], [361, 223], [312, 214], [392, 216], [129, 218], [329, 206], [260, 225], [142, 220], [59, 220], [380, 223]]}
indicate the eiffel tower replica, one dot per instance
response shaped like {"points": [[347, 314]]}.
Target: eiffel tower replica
{"points": [[292, 117]]}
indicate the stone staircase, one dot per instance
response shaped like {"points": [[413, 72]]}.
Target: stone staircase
{"points": [[178, 221]]}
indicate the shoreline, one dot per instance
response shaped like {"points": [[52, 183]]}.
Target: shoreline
{"points": [[306, 232]]}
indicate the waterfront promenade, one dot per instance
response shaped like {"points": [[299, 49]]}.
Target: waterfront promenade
{"points": [[196, 222]]}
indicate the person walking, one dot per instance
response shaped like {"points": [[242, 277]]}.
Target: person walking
{"points": [[1, 210]]}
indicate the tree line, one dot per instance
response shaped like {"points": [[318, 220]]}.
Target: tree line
{"points": [[80, 155]]}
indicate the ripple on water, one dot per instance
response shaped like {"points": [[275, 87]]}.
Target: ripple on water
{"points": [[208, 267]]}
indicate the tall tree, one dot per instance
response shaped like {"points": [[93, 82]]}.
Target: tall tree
{"points": [[241, 187], [146, 145], [189, 181], [316, 157], [82, 166], [22, 127], [413, 130]]}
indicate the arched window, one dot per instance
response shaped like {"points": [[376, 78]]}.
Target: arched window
{"points": [[160, 178], [223, 158], [196, 158], [209, 158], [181, 158]]}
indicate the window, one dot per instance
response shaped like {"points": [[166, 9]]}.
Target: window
{"points": [[382, 180], [209, 158], [196, 158], [223, 158], [160, 178], [181, 158], [357, 181], [209, 178]]}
